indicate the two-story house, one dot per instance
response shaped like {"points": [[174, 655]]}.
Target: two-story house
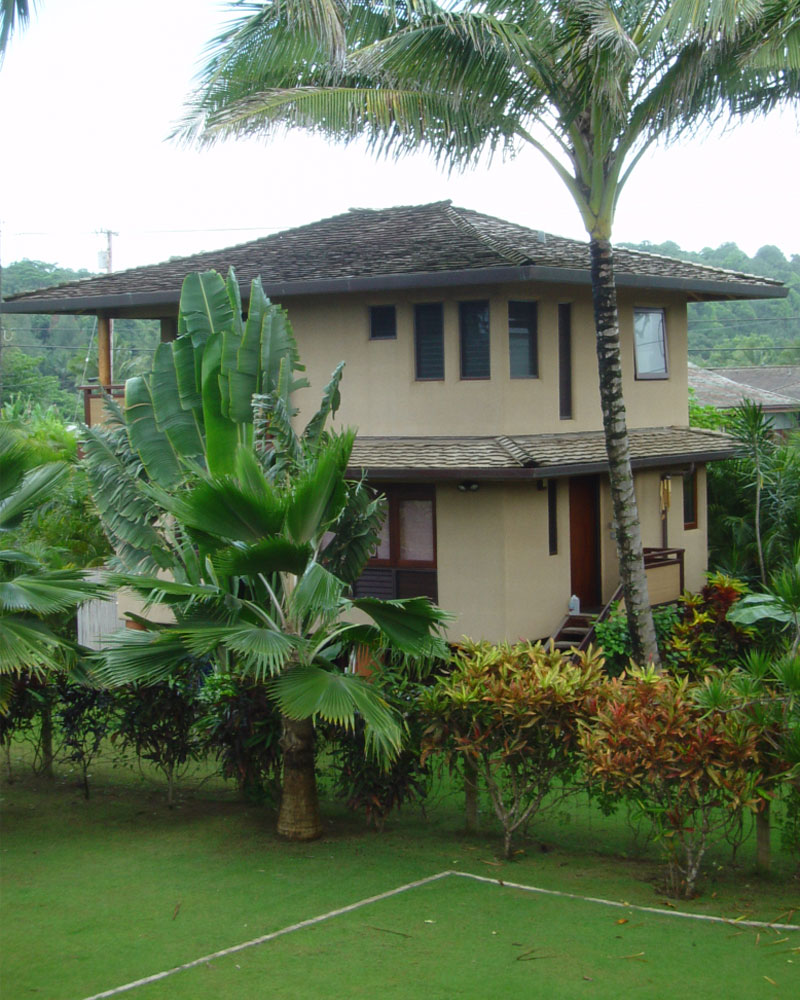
{"points": [[471, 376]]}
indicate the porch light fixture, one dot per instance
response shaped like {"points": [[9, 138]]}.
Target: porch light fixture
{"points": [[468, 486]]}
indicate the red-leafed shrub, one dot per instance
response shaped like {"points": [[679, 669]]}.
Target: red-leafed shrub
{"points": [[686, 769]]}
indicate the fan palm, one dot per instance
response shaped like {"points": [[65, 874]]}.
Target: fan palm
{"points": [[589, 84], [264, 535]]}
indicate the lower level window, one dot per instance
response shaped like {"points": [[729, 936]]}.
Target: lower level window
{"points": [[404, 564], [690, 500]]}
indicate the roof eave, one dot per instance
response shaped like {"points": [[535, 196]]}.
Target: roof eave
{"points": [[450, 474], [420, 279]]}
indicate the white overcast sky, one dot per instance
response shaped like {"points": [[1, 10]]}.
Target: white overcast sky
{"points": [[89, 93]]}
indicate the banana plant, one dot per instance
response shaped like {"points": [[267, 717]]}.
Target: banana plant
{"points": [[265, 532]]}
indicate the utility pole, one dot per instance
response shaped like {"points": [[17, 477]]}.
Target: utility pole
{"points": [[105, 325]]}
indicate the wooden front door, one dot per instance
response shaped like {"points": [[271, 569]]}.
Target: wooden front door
{"points": [[584, 540]]}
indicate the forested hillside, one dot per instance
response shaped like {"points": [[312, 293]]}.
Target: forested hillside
{"points": [[48, 357], [762, 332]]}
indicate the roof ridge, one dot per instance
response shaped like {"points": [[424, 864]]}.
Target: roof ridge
{"points": [[507, 250], [516, 452]]}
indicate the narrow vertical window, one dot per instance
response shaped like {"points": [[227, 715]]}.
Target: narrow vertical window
{"points": [[523, 352], [650, 343], [382, 323], [552, 515], [429, 341], [473, 319], [565, 361], [690, 500]]}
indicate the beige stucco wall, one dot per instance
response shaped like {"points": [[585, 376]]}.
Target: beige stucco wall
{"points": [[494, 568], [380, 395]]}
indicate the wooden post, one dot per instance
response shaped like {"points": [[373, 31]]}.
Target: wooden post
{"points": [[169, 329], [104, 351]]}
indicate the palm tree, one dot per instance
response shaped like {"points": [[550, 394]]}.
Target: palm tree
{"points": [[14, 14], [589, 84], [258, 529]]}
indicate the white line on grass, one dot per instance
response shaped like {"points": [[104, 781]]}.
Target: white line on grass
{"points": [[736, 922], [268, 937], [425, 881]]}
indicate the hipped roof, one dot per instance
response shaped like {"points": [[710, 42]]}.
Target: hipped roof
{"points": [[414, 246], [727, 388], [531, 456]]}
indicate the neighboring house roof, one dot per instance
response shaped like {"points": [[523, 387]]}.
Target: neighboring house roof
{"points": [[722, 389], [781, 379], [405, 247], [530, 456]]}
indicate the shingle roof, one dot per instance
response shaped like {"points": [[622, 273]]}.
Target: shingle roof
{"points": [[724, 390], [781, 379], [395, 247], [533, 456]]}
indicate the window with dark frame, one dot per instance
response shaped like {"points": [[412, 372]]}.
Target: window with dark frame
{"points": [[404, 563], [690, 500], [565, 361], [382, 323], [473, 322], [429, 341], [650, 343], [552, 516], [523, 353]]}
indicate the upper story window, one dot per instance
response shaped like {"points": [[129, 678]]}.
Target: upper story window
{"points": [[473, 321], [382, 323], [650, 343], [429, 341], [523, 355]]}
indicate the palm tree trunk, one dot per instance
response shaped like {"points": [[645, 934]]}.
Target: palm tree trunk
{"points": [[299, 817], [623, 498]]}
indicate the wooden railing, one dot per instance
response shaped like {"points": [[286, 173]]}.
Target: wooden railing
{"points": [[665, 584], [93, 406]]}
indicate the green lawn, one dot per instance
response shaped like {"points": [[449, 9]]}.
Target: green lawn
{"points": [[97, 894]]}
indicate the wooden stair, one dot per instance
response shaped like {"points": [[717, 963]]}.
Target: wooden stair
{"points": [[575, 632]]}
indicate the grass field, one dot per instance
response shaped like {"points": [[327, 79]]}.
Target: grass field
{"points": [[101, 893]]}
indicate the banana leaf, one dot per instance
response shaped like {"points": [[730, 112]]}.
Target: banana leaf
{"points": [[205, 306], [221, 434], [182, 426], [154, 448]]}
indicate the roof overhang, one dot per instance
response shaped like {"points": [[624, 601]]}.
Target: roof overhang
{"points": [[164, 302], [529, 458]]}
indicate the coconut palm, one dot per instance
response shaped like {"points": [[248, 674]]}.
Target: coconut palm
{"points": [[589, 84], [259, 529], [14, 14]]}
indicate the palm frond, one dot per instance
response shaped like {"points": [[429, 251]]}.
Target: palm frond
{"points": [[309, 691], [259, 652], [141, 657], [33, 489], [27, 645], [50, 592], [409, 624], [271, 555], [318, 594]]}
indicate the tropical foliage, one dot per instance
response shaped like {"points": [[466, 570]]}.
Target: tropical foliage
{"points": [[513, 711], [255, 529], [688, 771], [589, 85]]}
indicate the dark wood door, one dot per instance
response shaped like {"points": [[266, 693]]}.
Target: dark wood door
{"points": [[584, 539]]}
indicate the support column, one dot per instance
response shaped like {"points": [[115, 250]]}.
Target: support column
{"points": [[104, 351], [169, 329]]}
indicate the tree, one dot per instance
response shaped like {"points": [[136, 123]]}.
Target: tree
{"points": [[589, 84], [258, 529], [14, 14]]}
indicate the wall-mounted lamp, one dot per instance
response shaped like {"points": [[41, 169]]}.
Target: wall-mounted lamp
{"points": [[468, 486]]}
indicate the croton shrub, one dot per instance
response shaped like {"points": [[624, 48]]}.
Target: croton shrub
{"points": [[512, 713], [688, 770]]}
